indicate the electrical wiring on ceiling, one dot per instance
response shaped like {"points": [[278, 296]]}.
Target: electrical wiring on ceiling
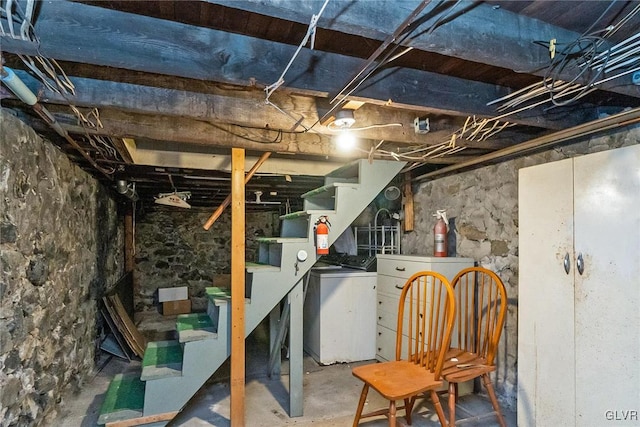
{"points": [[591, 64], [474, 129], [54, 79]]}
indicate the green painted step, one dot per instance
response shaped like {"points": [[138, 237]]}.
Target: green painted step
{"points": [[306, 213], [216, 292], [330, 188], [349, 170], [162, 359], [282, 239], [124, 399], [195, 327], [253, 267]]}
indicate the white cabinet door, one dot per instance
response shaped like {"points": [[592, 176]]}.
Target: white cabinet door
{"points": [[579, 334], [545, 297], [607, 293]]}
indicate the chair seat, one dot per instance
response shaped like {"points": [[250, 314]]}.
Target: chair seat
{"points": [[464, 366], [398, 379]]}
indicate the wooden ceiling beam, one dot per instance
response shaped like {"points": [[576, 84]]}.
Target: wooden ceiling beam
{"points": [[243, 108], [68, 32], [472, 31]]}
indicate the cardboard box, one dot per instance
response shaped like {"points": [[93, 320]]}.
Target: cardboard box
{"points": [[170, 308], [173, 294]]}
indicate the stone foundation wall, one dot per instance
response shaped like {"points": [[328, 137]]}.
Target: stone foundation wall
{"points": [[172, 249], [61, 245], [483, 205]]}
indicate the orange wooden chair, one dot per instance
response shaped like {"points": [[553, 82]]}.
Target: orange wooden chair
{"points": [[481, 305], [425, 322]]}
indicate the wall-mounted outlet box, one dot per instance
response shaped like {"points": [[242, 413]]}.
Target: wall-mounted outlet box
{"points": [[421, 125]]}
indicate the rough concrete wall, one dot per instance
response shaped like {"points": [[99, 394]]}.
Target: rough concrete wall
{"points": [[484, 206], [60, 243], [172, 249]]}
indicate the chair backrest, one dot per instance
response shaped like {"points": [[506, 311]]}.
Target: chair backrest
{"points": [[425, 320], [481, 305]]}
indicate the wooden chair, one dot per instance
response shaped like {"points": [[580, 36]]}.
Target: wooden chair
{"points": [[425, 322], [481, 305]]}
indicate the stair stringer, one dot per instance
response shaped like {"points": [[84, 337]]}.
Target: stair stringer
{"points": [[200, 360], [373, 178]]}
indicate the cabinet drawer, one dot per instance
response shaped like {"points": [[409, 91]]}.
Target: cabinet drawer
{"points": [[387, 313], [385, 343], [399, 268], [390, 285], [388, 303], [387, 319]]}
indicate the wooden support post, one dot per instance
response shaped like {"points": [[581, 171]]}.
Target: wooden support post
{"points": [[129, 248], [296, 370], [407, 201], [237, 288], [129, 259], [214, 216]]}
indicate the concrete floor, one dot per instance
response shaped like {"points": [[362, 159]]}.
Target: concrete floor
{"points": [[330, 393]]}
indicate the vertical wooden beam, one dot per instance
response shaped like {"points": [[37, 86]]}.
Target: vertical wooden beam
{"points": [[237, 288], [407, 202], [130, 258], [129, 243]]}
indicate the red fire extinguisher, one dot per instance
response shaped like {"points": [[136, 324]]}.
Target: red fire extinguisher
{"points": [[322, 235], [440, 234]]}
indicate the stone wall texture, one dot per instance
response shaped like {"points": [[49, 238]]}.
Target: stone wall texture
{"points": [[172, 249], [61, 245], [483, 204]]}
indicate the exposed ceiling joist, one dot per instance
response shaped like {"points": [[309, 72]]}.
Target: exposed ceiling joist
{"points": [[184, 81]]}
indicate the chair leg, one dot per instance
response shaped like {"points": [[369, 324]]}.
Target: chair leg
{"points": [[436, 402], [392, 413], [453, 398], [408, 407], [363, 398], [492, 395]]}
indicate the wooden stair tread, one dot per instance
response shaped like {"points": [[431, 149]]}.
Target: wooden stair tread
{"points": [[328, 188], [217, 292], [306, 213], [195, 327], [253, 267], [162, 359], [349, 170], [282, 239], [124, 399]]}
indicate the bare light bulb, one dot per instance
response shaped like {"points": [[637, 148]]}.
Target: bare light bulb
{"points": [[345, 141]]}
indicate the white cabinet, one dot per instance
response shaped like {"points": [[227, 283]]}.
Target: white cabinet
{"points": [[393, 272], [340, 316], [579, 329]]}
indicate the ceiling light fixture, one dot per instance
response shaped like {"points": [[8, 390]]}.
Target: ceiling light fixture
{"points": [[344, 119], [177, 199]]}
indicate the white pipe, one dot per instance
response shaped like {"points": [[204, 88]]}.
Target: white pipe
{"points": [[18, 88]]}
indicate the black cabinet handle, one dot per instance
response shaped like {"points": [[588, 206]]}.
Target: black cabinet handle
{"points": [[400, 268]]}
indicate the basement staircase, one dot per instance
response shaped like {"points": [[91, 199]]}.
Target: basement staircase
{"points": [[173, 371]]}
